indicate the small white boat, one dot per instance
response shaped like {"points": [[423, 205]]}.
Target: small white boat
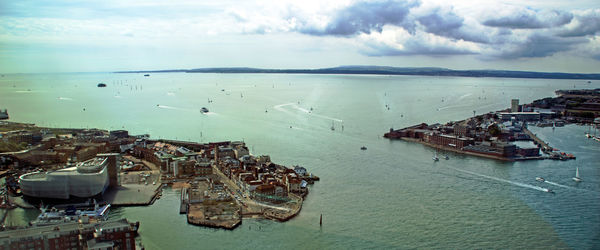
{"points": [[435, 157], [577, 178], [547, 190], [540, 179]]}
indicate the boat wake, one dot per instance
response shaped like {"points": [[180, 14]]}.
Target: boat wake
{"points": [[280, 107], [65, 98], [173, 108], [503, 180], [464, 96], [559, 185]]}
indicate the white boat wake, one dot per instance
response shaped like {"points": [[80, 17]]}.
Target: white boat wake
{"points": [[464, 96], [65, 98], [559, 185], [303, 110], [173, 108], [503, 180]]}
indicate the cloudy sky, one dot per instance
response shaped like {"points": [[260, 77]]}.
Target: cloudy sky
{"points": [[110, 35]]}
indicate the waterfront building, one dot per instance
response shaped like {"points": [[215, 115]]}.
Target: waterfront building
{"points": [[116, 234], [448, 140], [519, 116], [514, 105], [300, 170], [86, 179]]}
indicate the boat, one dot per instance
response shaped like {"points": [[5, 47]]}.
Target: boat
{"points": [[435, 157], [4, 114], [204, 110], [577, 178], [540, 179], [332, 127], [70, 213], [547, 190], [363, 148], [446, 157], [147, 75], [101, 85]]}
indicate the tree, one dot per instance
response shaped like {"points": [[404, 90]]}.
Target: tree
{"points": [[494, 130]]}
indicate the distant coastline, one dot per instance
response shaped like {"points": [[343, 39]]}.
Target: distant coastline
{"points": [[382, 70]]}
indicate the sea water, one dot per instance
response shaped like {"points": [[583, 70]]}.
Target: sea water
{"points": [[391, 195]]}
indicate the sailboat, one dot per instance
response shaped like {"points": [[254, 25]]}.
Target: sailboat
{"points": [[332, 127], [577, 178], [435, 157], [589, 134]]}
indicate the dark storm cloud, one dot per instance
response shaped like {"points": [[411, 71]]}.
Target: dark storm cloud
{"points": [[531, 20], [587, 24], [365, 17], [539, 45]]}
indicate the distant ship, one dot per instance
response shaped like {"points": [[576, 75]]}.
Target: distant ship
{"points": [[4, 114], [147, 75], [363, 148], [101, 85], [204, 110]]}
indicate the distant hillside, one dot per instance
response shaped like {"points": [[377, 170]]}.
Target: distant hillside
{"points": [[383, 70]]}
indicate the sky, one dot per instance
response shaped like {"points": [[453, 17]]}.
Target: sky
{"points": [[113, 35]]}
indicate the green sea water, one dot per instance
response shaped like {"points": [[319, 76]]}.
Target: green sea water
{"points": [[390, 196]]}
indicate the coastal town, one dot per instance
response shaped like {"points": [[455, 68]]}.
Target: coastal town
{"points": [[503, 135], [53, 169]]}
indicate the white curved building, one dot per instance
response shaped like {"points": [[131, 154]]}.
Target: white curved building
{"points": [[87, 179]]}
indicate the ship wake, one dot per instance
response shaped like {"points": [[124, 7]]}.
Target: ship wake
{"points": [[503, 180]]}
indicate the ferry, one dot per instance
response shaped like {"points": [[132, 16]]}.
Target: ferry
{"points": [[4, 114], [56, 216]]}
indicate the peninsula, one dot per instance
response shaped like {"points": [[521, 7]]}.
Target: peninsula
{"points": [[503, 135], [383, 70], [220, 182]]}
